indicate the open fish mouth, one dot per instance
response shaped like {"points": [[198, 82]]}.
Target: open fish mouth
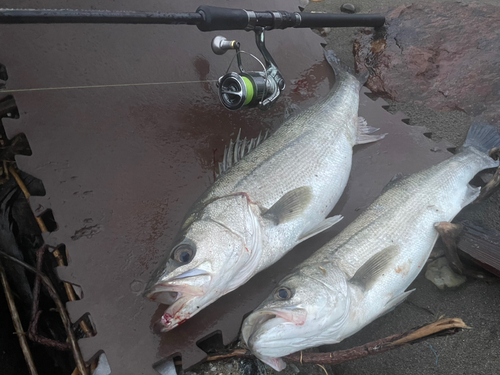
{"points": [[253, 323], [167, 297], [264, 321], [192, 283], [174, 315], [177, 293], [296, 316]]}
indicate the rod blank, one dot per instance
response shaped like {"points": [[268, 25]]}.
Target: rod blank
{"points": [[207, 18]]}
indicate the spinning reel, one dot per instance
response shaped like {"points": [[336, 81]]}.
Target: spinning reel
{"points": [[249, 89]]}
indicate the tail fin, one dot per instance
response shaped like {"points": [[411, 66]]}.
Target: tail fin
{"points": [[482, 137], [339, 67]]}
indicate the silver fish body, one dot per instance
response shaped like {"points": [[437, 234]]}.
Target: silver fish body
{"points": [[364, 271], [275, 197]]}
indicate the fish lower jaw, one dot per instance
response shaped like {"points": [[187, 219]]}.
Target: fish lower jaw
{"points": [[164, 324], [276, 363], [169, 321], [277, 351], [251, 326], [174, 315]]}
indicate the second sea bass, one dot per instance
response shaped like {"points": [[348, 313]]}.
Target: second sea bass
{"points": [[274, 198], [363, 272]]}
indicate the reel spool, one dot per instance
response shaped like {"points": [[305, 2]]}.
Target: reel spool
{"points": [[241, 90], [248, 89]]}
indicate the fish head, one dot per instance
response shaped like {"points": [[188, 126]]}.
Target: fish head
{"points": [[310, 304], [208, 260]]}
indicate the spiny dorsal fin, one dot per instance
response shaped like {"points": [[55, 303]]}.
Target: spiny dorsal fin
{"points": [[368, 273], [290, 205], [238, 150]]}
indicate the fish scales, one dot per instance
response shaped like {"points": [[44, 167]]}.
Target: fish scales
{"points": [[432, 195], [364, 271], [275, 197], [258, 172]]}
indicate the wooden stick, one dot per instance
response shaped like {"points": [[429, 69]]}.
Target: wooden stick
{"points": [[447, 326], [60, 308], [71, 292], [443, 326], [17, 323], [431, 329], [60, 262], [26, 193], [235, 353]]}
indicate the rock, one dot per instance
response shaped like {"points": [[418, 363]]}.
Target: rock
{"points": [[348, 8], [444, 55], [441, 275]]}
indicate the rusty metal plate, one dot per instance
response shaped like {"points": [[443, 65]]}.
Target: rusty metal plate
{"points": [[121, 165]]}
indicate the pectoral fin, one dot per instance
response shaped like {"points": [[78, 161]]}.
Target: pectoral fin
{"points": [[290, 206], [368, 273], [324, 225]]}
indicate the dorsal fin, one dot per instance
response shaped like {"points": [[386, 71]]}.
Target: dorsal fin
{"points": [[394, 180], [238, 149]]}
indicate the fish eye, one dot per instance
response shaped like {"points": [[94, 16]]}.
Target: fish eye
{"points": [[183, 253], [283, 293]]}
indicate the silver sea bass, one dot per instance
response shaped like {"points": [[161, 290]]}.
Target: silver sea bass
{"points": [[274, 198], [363, 272]]}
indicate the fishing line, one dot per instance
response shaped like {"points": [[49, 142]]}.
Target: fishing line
{"points": [[104, 86]]}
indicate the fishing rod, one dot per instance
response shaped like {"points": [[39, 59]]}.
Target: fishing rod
{"points": [[245, 89]]}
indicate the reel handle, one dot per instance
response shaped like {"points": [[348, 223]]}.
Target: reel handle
{"points": [[220, 45]]}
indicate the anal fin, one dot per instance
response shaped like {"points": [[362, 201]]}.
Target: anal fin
{"points": [[364, 131], [394, 302], [324, 225]]}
